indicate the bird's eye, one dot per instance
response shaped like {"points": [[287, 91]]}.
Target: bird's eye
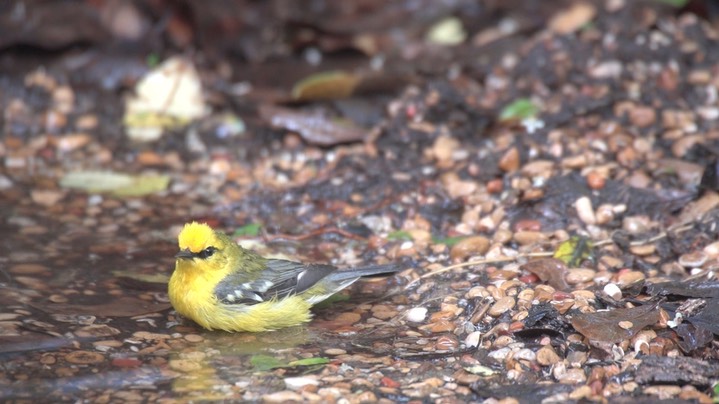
{"points": [[207, 252]]}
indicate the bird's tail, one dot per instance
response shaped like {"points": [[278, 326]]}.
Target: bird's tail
{"points": [[359, 272]]}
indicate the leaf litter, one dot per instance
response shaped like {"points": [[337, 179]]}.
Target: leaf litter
{"points": [[602, 177]]}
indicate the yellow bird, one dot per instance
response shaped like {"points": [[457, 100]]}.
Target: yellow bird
{"points": [[223, 286]]}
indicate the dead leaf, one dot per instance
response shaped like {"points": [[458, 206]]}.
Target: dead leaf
{"points": [[572, 18], [695, 210], [609, 326], [330, 85], [551, 270], [315, 128]]}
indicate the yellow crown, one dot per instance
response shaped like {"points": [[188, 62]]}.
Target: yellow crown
{"points": [[196, 237]]}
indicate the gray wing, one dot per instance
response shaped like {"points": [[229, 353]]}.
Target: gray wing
{"points": [[281, 278]]}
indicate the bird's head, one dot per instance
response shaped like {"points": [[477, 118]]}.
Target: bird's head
{"points": [[198, 242]]}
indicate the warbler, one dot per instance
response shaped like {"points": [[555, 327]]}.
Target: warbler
{"points": [[222, 286]]}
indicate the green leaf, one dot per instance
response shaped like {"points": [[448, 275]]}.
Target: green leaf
{"points": [[96, 181], [248, 230], [144, 185], [448, 31], [309, 362], [674, 3], [573, 251], [522, 108], [265, 362], [119, 184], [448, 241], [399, 235], [152, 60], [480, 370]]}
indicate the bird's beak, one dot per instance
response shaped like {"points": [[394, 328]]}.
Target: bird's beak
{"points": [[185, 254]]}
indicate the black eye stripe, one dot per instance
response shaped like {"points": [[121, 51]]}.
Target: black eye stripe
{"points": [[207, 252]]}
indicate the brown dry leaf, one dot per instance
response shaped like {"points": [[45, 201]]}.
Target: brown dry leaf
{"points": [[121, 307], [325, 86], [315, 128], [697, 209], [550, 270], [573, 18], [614, 326]]}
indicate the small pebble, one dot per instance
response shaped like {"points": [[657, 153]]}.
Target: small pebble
{"points": [[613, 291], [296, 383], [693, 259], [470, 246], [347, 318], [194, 338], [446, 343], [529, 237], [663, 392], [642, 116], [96, 330], [604, 214], [84, 357], [626, 325], [383, 312], [510, 161], [572, 376], [335, 351], [472, 339], [526, 354], [282, 397], [546, 356], [596, 180], [417, 314], [72, 142], [580, 275], [442, 326], [629, 277], [643, 250], [636, 224], [501, 306], [712, 250], [585, 210]]}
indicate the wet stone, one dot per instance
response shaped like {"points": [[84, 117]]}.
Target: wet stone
{"points": [[442, 326], [630, 277], [510, 161], [335, 351], [84, 357], [501, 306], [194, 338], [446, 343], [282, 397], [348, 318], [546, 356], [468, 247], [580, 275], [529, 237], [585, 210], [383, 312], [693, 259], [472, 339]]}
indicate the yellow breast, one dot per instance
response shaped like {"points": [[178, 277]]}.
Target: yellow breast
{"points": [[192, 295]]}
